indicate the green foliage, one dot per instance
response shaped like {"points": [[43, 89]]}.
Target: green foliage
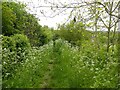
{"points": [[22, 46], [0, 61], [46, 35], [20, 13], [8, 19], [70, 68], [16, 20], [13, 17], [14, 51], [32, 71], [21, 41], [70, 62], [84, 69], [8, 42], [72, 32], [33, 30]]}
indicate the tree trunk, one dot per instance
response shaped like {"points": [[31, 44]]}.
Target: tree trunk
{"points": [[96, 20], [109, 27]]}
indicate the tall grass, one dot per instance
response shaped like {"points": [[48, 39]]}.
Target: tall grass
{"points": [[86, 69], [71, 67]]}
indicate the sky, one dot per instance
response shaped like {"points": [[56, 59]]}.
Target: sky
{"points": [[51, 22], [34, 8]]}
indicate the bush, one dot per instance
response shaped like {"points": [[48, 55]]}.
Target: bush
{"points": [[72, 36], [82, 69], [67, 67], [14, 51], [21, 41], [72, 32], [22, 46], [8, 42]]}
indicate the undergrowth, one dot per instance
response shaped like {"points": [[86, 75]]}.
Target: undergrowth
{"points": [[73, 67]]}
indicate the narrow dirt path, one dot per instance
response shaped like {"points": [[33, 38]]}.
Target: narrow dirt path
{"points": [[47, 76]]}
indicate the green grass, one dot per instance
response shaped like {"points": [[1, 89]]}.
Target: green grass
{"points": [[31, 73], [64, 66]]}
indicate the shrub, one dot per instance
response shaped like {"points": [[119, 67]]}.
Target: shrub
{"points": [[8, 42], [21, 41], [22, 46], [14, 51], [67, 67], [82, 69]]}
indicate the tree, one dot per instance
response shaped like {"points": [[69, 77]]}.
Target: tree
{"points": [[101, 11], [112, 19], [8, 20], [16, 20], [72, 32]]}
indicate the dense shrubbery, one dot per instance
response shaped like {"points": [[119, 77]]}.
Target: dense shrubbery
{"points": [[8, 42], [31, 73], [14, 51], [16, 20], [89, 69], [22, 46], [72, 32], [71, 67], [35, 56]]}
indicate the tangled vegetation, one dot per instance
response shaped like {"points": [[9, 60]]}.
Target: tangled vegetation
{"points": [[35, 56], [68, 67]]}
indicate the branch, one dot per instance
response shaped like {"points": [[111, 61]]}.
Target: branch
{"points": [[69, 16], [103, 22], [115, 16], [115, 23], [59, 12], [103, 6], [116, 6], [59, 6], [108, 10]]}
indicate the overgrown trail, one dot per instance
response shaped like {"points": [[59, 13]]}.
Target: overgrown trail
{"points": [[47, 76], [63, 66]]}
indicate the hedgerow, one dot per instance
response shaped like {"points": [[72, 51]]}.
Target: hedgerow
{"points": [[14, 51]]}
